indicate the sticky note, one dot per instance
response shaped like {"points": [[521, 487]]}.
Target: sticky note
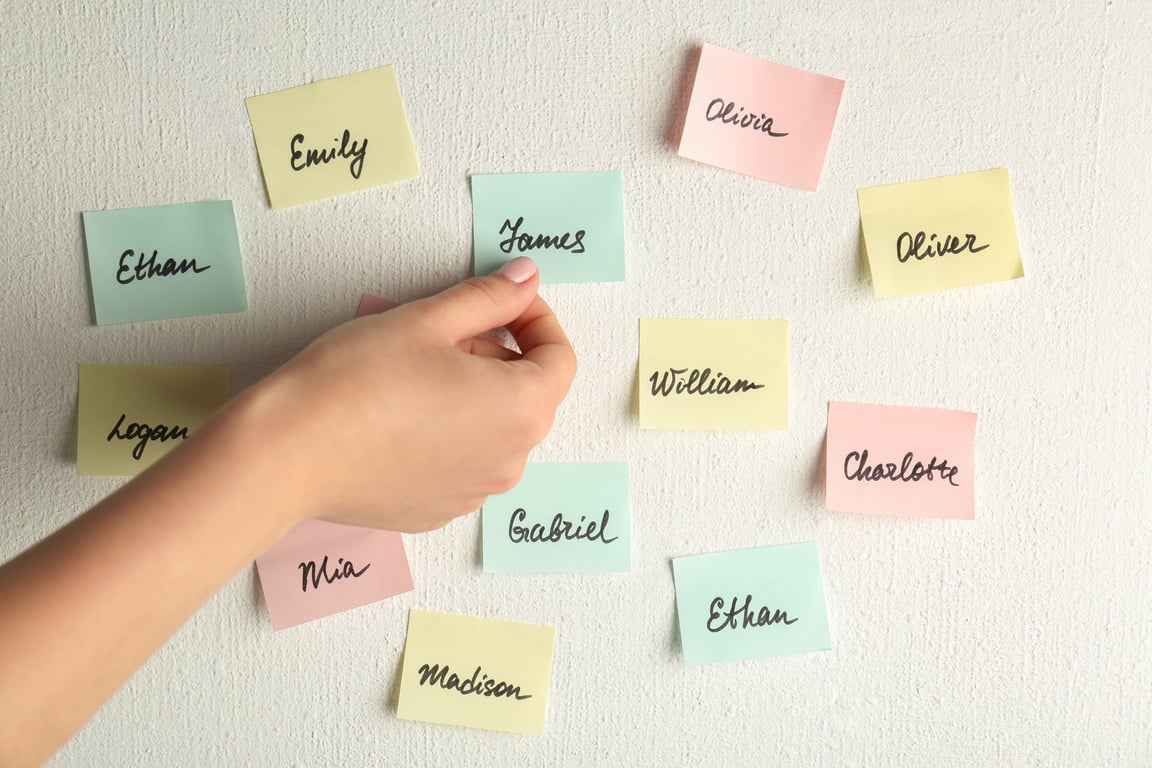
{"points": [[571, 224], [899, 460], [164, 261], [131, 415], [560, 518], [759, 118], [948, 232], [321, 568], [373, 305], [332, 137], [713, 374], [479, 673], [751, 603]]}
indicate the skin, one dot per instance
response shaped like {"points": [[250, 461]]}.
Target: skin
{"points": [[404, 420]]}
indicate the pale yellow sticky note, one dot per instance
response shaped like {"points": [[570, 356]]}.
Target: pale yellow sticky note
{"points": [[480, 673], [131, 415], [332, 136], [713, 374], [948, 232]]}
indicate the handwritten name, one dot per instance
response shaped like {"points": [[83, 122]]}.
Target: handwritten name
{"points": [[147, 267], [909, 246], [526, 242], [144, 433], [478, 685], [343, 570], [559, 530], [742, 616], [908, 472], [721, 110], [698, 382], [354, 151]]}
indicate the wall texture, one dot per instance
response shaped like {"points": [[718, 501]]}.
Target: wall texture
{"points": [[1022, 639]]}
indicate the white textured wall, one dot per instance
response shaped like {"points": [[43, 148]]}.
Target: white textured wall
{"points": [[1022, 639]]}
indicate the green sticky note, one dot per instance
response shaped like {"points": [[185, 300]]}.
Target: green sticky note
{"points": [[751, 603], [571, 224], [560, 518], [131, 415], [164, 261]]}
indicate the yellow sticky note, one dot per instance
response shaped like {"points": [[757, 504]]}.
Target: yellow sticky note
{"points": [[131, 415], [713, 374], [948, 232], [332, 136], [480, 673]]}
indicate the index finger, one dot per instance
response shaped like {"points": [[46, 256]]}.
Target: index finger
{"points": [[544, 343]]}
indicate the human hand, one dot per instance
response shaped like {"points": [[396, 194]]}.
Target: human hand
{"points": [[408, 419]]}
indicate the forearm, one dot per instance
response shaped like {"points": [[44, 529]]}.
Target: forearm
{"points": [[80, 612]]}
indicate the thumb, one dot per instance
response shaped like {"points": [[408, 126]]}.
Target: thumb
{"points": [[480, 304]]}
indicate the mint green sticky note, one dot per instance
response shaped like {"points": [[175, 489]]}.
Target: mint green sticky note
{"points": [[571, 224], [164, 261], [751, 603], [560, 518]]}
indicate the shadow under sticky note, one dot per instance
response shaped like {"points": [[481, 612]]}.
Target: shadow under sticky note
{"points": [[760, 118], [898, 460], [948, 232], [164, 261], [474, 672], [560, 518], [131, 415], [751, 603], [713, 374], [321, 568], [332, 137], [570, 224]]}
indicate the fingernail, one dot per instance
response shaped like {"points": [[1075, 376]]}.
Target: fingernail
{"points": [[519, 270]]}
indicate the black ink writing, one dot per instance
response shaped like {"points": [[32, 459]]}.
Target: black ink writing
{"points": [[356, 151], [144, 433], [343, 570], [147, 267], [721, 110], [742, 616], [525, 242], [909, 246], [479, 685], [697, 382], [559, 530], [907, 472]]}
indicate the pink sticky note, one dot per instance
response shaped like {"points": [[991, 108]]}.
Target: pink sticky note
{"points": [[374, 305], [320, 568], [896, 460], [762, 119]]}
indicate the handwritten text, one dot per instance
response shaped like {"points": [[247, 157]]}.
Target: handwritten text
{"points": [[143, 433], [479, 685], [742, 616], [356, 151], [907, 472]]}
